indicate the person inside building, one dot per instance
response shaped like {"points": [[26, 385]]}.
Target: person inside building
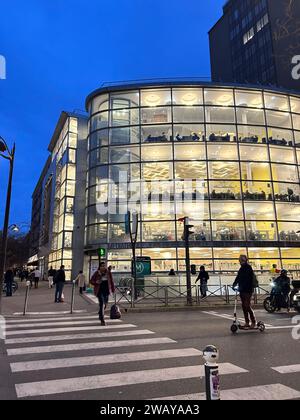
{"points": [[172, 272]]}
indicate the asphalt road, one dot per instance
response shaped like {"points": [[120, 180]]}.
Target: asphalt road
{"points": [[146, 356]]}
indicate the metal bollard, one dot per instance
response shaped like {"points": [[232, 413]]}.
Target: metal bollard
{"points": [[132, 293], [73, 297], [166, 296], [212, 378], [26, 297]]}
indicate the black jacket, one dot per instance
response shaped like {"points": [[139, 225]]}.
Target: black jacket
{"points": [[244, 279], [51, 272], [9, 276], [203, 277], [60, 277]]}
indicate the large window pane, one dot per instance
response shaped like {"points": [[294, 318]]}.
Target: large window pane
{"points": [[158, 231], [224, 170], [125, 135], [156, 97], [295, 104], [121, 100], [280, 137], [153, 211], [156, 153], [220, 115], [117, 233], [261, 231], [157, 171], [278, 102], [219, 152], [99, 121], [192, 152], [288, 231], [97, 234], [285, 173], [187, 96], [225, 190], [257, 191], [156, 134], [121, 171], [188, 114], [124, 154], [157, 115], [190, 170], [259, 211], [288, 212], [189, 132], [221, 133], [296, 121], [250, 116], [228, 231], [226, 211], [99, 156], [254, 153], [248, 99], [98, 139], [123, 117], [253, 171], [100, 103], [249, 134], [279, 119], [218, 97], [282, 155]]}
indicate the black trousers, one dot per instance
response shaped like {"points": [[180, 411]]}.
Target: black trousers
{"points": [[103, 300]]}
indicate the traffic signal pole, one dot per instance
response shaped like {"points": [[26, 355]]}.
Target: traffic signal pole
{"points": [[188, 261]]}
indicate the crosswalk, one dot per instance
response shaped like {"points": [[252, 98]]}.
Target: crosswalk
{"points": [[74, 355]]}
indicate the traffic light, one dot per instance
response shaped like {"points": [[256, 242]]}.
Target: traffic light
{"points": [[101, 252], [187, 231], [193, 269]]}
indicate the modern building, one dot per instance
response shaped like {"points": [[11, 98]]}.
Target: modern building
{"points": [[227, 156], [61, 197], [255, 41]]}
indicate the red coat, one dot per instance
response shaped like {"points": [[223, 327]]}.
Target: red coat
{"points": [[97, 276]]}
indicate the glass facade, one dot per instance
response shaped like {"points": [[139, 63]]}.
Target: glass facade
{"points": [[239, 150], [64, 154]]}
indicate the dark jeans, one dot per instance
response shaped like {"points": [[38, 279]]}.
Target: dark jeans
{"points": [[59, 287], [81, 290], [246, 305], [203, 289], [36, 282], [103, 300], [9, 289]]}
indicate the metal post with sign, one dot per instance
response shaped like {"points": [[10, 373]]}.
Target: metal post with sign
{"points": [[131, 229], [186, 237]]}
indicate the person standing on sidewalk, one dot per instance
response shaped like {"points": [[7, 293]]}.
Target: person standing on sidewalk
{"points": [[81, 281], [8, 279], [203, 277], [103, 283], [59, 281], [37, 275], [51, 275], [245, 283]]}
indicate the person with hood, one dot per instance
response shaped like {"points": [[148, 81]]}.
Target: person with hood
{"points": [[203, 277], [103, 283], [8, 279], [245, 283]]}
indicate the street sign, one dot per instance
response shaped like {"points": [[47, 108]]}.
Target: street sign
{"points": [[143, 267]]}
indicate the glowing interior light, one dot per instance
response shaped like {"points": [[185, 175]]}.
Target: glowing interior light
{"points": [[153, 99], [189, 98]]}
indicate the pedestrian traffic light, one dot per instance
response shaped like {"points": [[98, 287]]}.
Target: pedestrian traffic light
{"points": [[187, 231], [101, 252], [193, 269]]}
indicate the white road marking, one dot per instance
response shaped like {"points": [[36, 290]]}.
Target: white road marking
{"points": [[55, 320], [76, 336], [57, 330], [50, 313], [89, 346], [60, 386], [272, 392], [102, 360], [52, 324], [229, 317], [287, 369]]}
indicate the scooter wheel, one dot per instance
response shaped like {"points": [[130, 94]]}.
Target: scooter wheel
{"points": [[261, 326], [234, 329]]}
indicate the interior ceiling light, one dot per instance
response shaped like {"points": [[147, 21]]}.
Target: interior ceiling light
{"points": [[189, 98], [225, 98], [153, 99]]}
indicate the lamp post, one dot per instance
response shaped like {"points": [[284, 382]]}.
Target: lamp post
{"points": [[8, 154]]}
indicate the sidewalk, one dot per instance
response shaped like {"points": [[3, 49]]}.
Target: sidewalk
{"points": [[41, 300]]}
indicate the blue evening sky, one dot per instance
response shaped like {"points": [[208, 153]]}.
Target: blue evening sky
{"points": [[58, 51]]}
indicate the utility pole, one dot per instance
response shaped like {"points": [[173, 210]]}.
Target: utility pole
{"points": [[10, 156], [131, 229], [186, 236]]}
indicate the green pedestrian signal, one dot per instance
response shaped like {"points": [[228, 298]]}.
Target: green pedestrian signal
{"points": [[102, 252]]}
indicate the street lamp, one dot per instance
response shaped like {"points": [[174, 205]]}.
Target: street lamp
{"points": [[9, 155]]}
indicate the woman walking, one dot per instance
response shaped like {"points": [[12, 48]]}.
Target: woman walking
{"points": [[103, 284]]}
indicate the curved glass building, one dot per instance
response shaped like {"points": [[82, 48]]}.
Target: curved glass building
{"points": [[226, 156]]}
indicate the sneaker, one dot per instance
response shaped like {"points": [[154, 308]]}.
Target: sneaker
{"points": [[246, 327], [253, 326], [103, 324]]}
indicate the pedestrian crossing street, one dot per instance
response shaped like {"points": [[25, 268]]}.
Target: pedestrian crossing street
{"points": [[74, 357]]}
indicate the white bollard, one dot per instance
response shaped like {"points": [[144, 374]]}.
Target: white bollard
{"points": [[212, 377]]}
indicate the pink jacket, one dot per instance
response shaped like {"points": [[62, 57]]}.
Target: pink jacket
{"points": [[96, 276]]}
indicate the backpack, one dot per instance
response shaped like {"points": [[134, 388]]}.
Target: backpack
{"points": [[255, 281], [115, 312]]}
